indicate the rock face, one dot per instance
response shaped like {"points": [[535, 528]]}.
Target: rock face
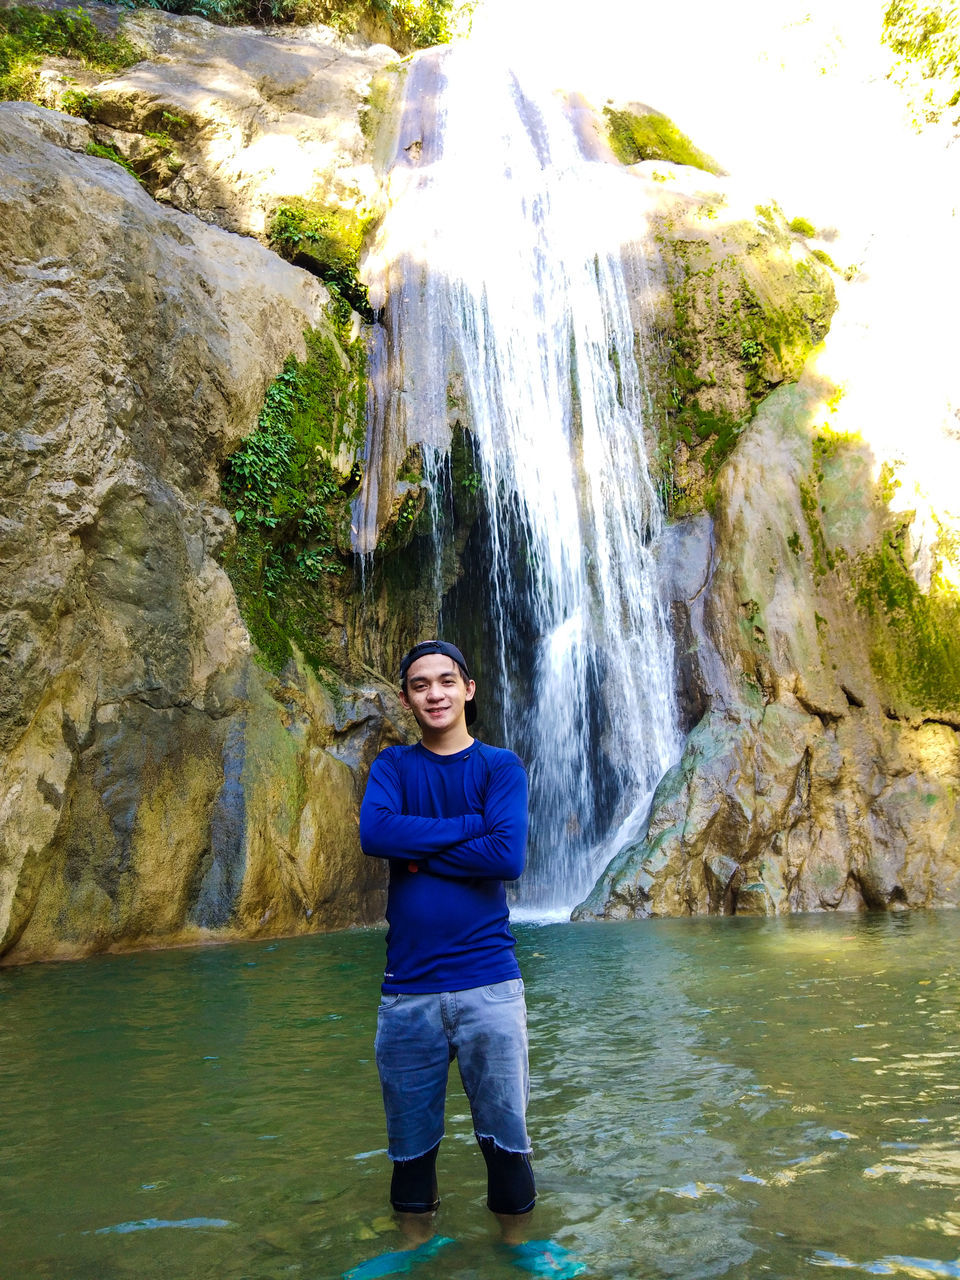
{"points": [[823, 768], [227, 123], [156, 783]]}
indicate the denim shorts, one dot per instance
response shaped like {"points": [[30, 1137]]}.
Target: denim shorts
{"points": [[418, 1036]]}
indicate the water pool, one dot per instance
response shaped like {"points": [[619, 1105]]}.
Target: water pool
{"points": [[711, 1097]]}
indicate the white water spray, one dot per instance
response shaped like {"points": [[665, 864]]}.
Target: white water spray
{"points": [[499, 266]]}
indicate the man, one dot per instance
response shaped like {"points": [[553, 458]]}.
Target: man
{"points": [[450, 814]]}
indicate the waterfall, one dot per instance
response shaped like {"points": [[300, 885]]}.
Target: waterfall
{"points": [[499, 272]]}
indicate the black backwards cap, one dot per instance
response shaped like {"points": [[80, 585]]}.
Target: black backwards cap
{"points": [[448, 650]]}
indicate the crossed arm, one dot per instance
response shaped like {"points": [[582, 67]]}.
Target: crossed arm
{"points": [[489, 846]]}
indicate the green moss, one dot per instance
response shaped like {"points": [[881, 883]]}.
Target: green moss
{"points": [[290, 503], [801, 227], [720, 324], [28, 35], [887, 483], [376, 103], [821, 255], [916, 651], [823, 558], [794, 543], [326, 242], [652, 136]]}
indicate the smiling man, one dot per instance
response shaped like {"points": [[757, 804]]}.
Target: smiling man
{"points": [[450, 814]]}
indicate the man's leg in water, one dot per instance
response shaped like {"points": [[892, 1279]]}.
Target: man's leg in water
{"points": [[491, 1042], [413, 1059]]}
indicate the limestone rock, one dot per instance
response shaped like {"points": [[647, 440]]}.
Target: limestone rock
{"points": [[822, 767], [729, 306], [228, 122], [155, 783]]}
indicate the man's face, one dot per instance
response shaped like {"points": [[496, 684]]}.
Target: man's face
{"points": [[436, 692]]}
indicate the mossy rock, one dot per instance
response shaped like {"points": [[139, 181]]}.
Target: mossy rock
{"points": [[745, 310], [643, 134], [325, 241], [290, 487], [915, 650]]}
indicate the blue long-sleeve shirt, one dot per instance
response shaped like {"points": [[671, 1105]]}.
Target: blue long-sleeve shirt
{"points": [[454, 828]]}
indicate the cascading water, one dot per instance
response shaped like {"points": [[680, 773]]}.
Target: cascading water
{"points": [[498, 269]]}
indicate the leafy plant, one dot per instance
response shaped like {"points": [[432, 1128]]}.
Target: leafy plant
{"points": [[77, 102], [751, 353], [412, 24], [111, 153]]}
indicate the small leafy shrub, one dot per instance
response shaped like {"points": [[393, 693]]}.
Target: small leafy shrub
{"points": [[652, 137], [917, 638], [326, 242]]}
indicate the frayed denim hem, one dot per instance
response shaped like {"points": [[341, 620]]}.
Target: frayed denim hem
{"points": [[513, 1151]]}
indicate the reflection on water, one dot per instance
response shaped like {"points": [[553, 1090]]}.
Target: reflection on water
{"points": [[710, 1097]]}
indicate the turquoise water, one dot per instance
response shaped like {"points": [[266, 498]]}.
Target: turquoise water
{"points": [[732, 1097]]}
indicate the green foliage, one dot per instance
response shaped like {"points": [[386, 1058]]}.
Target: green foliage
{"points": [[917, 648], [801, 227], [111, 153], [77, 102], [411, 24], [290, 504], [794, 543], [652, 137], [751, 353], [928, 34], [821, 255], [326, 242], [28, 35]]}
